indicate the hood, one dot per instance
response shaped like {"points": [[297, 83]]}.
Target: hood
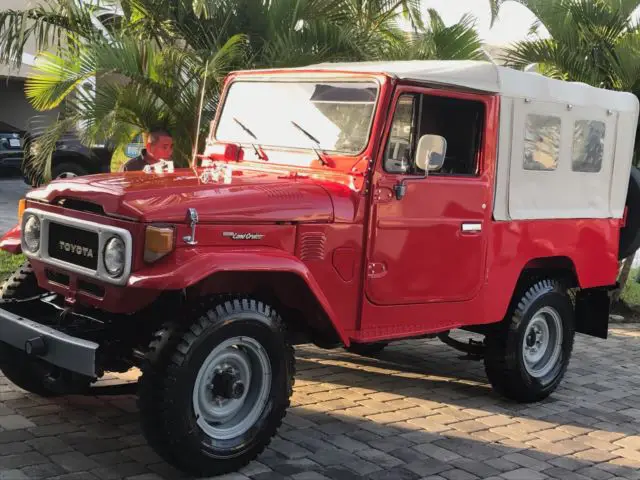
{"points": [[247, 197]]}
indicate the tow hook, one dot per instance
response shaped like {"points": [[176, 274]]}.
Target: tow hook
{"points": [[35, 346]]}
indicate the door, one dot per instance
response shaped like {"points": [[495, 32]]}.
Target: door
{"points": [[428, 243]]}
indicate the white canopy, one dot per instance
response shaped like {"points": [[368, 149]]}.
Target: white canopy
{"points": [[488, 77]]}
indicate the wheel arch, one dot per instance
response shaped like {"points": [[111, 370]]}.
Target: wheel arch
{"points": [[561, 268], [298, 301], [591, 305], [273, 276]]}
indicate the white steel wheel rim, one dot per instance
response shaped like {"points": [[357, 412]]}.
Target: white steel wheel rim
{"points": [[222, 409], [542, 342]]}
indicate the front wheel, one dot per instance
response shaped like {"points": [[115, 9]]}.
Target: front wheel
{"points": [[526, 359], [213, 394]]}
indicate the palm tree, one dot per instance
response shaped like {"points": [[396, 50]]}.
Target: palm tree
{"points": [[138, 86], [147, 63], [592, 41], [433, 40]]}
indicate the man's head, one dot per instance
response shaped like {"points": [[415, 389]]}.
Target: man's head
{"points": [[159, 145]]}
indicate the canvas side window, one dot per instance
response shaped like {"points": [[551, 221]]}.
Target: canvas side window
{"points": [[542, 142], [588, 146]]}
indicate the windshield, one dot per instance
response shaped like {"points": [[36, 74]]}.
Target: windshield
{"points": [[330, 116]]}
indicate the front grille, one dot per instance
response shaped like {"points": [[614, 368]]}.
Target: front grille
{"points": [[73, 245]]}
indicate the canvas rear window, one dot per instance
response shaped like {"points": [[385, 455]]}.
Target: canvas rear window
{"points": [[541, 142], [588, 146]]}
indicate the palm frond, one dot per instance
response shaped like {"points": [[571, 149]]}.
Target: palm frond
{"points": [[56, 77], [49, 25], [39, 150], [625, 7]]}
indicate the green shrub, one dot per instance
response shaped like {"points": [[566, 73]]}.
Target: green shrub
{"points": [[631, 292], [9, 263]]}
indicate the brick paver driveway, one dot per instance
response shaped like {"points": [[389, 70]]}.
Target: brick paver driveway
{"points": [[417, 411]]}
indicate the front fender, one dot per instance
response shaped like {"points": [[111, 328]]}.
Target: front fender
{"points": [[10, 242], [190, 266]]}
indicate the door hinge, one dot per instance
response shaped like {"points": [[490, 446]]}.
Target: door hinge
{"points": [[376, 270]]}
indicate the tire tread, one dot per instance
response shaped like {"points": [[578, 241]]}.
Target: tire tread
{"points": [[168, 350], [501, 369]]}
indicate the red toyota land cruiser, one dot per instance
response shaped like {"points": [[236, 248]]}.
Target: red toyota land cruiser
{"points": [[342, 204]]}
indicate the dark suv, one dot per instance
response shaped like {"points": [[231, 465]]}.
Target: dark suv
{"points": [[71, 158], [11, 153]]}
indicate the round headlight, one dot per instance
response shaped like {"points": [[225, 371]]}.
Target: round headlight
{"points": [[31, 234], [114, 256]]}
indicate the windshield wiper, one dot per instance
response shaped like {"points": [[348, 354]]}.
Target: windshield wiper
{"points": [[259, 153], [315, 140]]}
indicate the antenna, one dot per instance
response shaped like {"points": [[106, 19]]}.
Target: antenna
{"points": [[195, 144], [494, 63], [488, 55]]}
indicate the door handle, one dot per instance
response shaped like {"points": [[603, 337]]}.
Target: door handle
{"points": [[471, 227]]}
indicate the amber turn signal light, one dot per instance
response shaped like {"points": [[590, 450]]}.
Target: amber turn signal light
{"points": [[22, 205], [158, 242]]}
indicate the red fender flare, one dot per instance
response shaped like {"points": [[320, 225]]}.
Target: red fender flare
{"points": [[10, 242], [189, 266]]}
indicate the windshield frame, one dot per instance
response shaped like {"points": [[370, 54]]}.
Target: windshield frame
{"points": [[304, 78]]}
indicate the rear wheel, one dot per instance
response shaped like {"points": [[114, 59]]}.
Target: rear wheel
{"points": [[527, 358], [630, 233], [214, 393]]}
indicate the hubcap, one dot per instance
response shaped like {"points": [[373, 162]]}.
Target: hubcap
{"points": [[232, 388], [542, 342]]}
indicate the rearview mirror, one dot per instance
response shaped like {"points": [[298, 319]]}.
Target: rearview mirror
{"points": [[431, 153]]}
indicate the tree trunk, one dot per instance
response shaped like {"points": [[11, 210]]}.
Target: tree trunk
{"points": [[623, 277]]}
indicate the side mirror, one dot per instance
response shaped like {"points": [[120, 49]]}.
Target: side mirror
{"points": [[431, 152]]}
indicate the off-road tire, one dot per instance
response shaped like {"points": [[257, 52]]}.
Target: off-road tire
{"points": [[504, 356], [367, 349], [169, 374], [21, 284], [24, 372], [630, 233]]}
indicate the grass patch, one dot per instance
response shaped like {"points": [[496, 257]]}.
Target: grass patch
{"points": [[631, 292], [9, 264]]}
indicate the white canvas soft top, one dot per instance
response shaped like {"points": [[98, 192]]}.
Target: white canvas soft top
{"points": [[489, 77]]}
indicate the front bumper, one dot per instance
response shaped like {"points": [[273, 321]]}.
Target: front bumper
{"points": [[55, 347]]}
